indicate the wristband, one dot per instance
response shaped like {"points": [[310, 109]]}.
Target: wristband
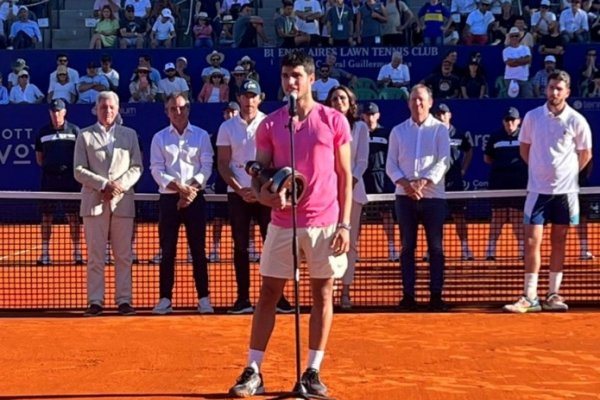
{"points": [[344, 226]]}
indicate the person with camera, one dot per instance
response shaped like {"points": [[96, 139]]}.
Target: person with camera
{"points": [[322, 148], [236, 145]]}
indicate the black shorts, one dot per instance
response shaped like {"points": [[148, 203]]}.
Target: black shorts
{"points": [[59, 183]]}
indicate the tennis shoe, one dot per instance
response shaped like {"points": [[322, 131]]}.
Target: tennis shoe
{"points": [[284, 306], [467, 255], [94, 310], [555, 302], [44, 260], [126, 309], [213, 256], [204, 306], [312, 382], [346, 303], [163, 307], [241, 306], [523, 305], [393, 254], [586, 256], [78, 258], [156, 259], [248, 384]]}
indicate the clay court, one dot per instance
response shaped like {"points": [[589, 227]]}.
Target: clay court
{"points": [[471, 354]]}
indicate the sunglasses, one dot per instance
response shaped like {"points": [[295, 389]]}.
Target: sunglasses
{"points": [[63, 60], [61, 74], [143, 72], [215, 59]]}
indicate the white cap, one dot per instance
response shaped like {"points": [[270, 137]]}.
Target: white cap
{"points": [[166, 13], [514, 30], [545, 3], [550, 58], [169, 66]]}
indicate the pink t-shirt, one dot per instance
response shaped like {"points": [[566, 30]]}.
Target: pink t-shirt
{"points": [[317, 137]]}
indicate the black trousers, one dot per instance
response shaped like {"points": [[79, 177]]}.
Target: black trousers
{"points": [[240, 215], [169, 221]]}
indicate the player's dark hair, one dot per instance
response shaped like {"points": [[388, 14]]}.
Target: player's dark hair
{"points": [[297, 58]]}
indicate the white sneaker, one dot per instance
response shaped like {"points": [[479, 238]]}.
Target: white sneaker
{"points": [[555, 302], [163, 307], [587, 256], [523, 305], [204, 306], [156, 259], [393, 254]]}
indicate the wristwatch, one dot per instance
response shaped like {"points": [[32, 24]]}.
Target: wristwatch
{"points": [[344, 226]]}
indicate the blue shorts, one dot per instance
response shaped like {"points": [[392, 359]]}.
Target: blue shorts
{"points": [[560, 209]]}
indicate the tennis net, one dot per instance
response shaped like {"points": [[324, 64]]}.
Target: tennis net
{"points": [[485, 269]]}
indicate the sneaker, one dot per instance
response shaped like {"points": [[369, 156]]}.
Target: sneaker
{"points": [[213, 256], [408, 303], [312, 382], [254, 256], [78, 259], [554, 302], [241, 306], [163, 307], [436, 304], [490, 258], [44, 260], [284, 306], [93, 310], [346, 303], [523, 305], [125, 309], [586, 256], [248, 384], [467, 255], [156, 259], [204, 306], [394, 255]]}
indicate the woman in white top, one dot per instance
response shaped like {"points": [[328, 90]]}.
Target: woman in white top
{"points": [[63, 88], [343, 99], [141, 88]]}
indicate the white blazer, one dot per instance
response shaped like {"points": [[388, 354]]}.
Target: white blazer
{"points": [[359, 148]]}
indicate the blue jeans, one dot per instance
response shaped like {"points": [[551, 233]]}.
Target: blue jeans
{"points": [[431, 213]]}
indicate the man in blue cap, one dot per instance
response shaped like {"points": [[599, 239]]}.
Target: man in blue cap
{"points": [[54, 147]]}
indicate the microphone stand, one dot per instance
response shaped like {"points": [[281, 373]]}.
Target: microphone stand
{"points": [[299, 391]]}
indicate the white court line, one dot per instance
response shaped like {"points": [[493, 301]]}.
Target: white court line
{"points": [[18, 253]]}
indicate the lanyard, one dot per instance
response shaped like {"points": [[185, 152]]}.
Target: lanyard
{"points": [[339, 12]]}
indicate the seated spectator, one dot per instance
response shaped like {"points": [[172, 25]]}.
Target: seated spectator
{"points": [[146, 61], [141, 88], [574, 24], [114, 5], [8, 12], [249, 66], [163, 30], [24, 33], [588, 70], [324, 84], [451, 57], [24, 92], [215, 59], [473, 85], [451, 36], [552, 44], [91, 84], [434, 19], [460, 10], [308, 13], [594, 86], [17, 67], [444, 84], [285, 26], [109, 72], [142, 8], [395, 74], [133, 30], [525, 38], [517, 59], [343, 76], [159, 6], [215, 90], [504, 21], [594, 21], [239, 76], [339, 21], [226, 35], [540, 79], [62, 59], [172, 83], [478, 24], [247, 28], [3, 92], [63, 87], [233, 7], [203, 32], [106, 30], [372, 15], [180, 66], [541, 20], [399, 20]]}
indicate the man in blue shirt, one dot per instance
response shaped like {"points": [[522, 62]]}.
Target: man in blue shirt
{"points": [[431, 20], [24, 33]]}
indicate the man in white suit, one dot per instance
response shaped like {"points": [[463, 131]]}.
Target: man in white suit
{"points": [[108, 163]]}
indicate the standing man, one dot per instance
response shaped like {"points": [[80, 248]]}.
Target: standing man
{"points": [[556, 143], [54, 148], [461, 154], [181, 159], [108, 163], [322, 144], [236, 145], [417, 161]]}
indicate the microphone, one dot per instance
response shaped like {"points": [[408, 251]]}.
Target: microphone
{"points": [[293, 104]]}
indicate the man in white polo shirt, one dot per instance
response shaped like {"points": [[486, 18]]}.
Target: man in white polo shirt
{"points": [[556, 142], [394, 74], [517, 59], [172, 83], [478, 24]]}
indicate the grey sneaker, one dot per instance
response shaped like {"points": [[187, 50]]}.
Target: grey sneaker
{"points": [[554, 302], [312, 382], [248, 384]]}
